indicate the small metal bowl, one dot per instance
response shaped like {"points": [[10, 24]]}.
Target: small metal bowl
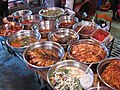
{"points": [[66, 21], [20, 34], [8, 29], [43, 45], [101, 67], [63, 36], [70, 63], [87, 42], [85, 32], [51, 12], [44, 27], [19, 14], [29, 20]]}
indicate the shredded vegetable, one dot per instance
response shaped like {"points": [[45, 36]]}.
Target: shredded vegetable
{"points": [[67, 78]]}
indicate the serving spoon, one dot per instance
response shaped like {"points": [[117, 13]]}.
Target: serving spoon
{"points": [[93, 22], [86, 80], [98, 86], [88, 68], [80, 29]]}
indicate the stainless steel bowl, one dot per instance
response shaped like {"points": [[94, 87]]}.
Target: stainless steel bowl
{"points": [[20, 34], [66, 21], [8, 29], [87, 41], [29, 20], [43, 45], [63, 36], [51, 12], [44, 27], [71, 63], [99, 88], [19, 14], [78, 25], [101, 67]]}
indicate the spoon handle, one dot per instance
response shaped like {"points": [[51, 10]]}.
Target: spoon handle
{"points": [[88, 68], [79, 29]]}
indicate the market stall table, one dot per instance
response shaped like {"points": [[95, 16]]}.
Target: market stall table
{"points": [[41, 76]]}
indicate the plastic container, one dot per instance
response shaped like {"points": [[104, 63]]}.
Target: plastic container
{"points": [[101, 36]]}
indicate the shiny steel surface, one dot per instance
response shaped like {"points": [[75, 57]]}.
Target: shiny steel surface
{"points": [[51, 8], [67, 19], [44, 25], [66, 63], [21, 33], [34, 19], [88, 41], [101, 67], [84, 23], [61, 33], [44, 45], [22, 13]]}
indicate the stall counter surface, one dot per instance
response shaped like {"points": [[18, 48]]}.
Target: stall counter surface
{"points": [[42, 74]]}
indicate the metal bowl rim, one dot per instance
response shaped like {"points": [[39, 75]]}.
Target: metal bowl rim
{"points": [[13, 14], [39, 24], [65, 61], [24, 18], [102, 62], [40, 67], [58, 20], [80, 23], [7, 41], [69, 17], [91, 41], [41, 32], [51, 8], [62, 30]]}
